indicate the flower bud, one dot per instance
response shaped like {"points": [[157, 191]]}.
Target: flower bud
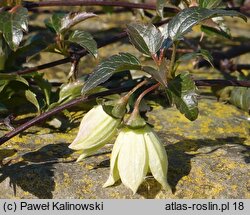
{"points": [[96, 129]]}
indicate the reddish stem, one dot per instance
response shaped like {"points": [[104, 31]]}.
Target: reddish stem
{"points": [[137, 103], [89, 3], [126, 97]]}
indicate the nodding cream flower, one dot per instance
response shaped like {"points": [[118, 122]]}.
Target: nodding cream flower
{"points": [[135, 153], [96, 129]]}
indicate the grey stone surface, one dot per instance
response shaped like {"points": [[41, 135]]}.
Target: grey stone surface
{"points": [[208, 158]]}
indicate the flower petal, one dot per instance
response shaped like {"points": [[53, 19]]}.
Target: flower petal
{"points": [[114, 173], [86, 153], [132, 159], [158, 162], [96, 129]]}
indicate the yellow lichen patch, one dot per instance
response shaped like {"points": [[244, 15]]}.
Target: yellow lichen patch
{"points": [[226, 164], [15, 141], [89, 166], [6, 153], [114, 194], [65, 182], [165, 194], [197, 176], [38, 141], [87, 185], [220, 110], [200, 185], [234, 187], [215, 190], [43, 131], [205, 124], [67, 179]]}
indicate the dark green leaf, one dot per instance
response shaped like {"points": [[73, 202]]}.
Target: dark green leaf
{"points": [[3, 83], [108, 9], [3, 109], [206, 55], [4, 52], [55, 21], [164, 31], [9, 77], [147, 39], [71, 90], [158, 74], [155, 74], [160, 4], [31, 49], [201, 53], [216, 26], [240, 97], [72, 19], [85, 40], [183, 22], [61, 22], [12, 25], [7, 153], [54, 48], [213, 31], [115, 63], [184, 94], [2, 61], [159, 7], [169, 97], [209, 3], [31, 97], [45, 86]]}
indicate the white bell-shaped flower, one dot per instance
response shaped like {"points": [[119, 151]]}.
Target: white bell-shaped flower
{"points": [[96, 129], [135, 152]]}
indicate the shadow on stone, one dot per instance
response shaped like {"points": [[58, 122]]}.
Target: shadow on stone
{"points": [[149, 188], [37, 177], [49, 152], [180, 159], [36, 173], [5, 153]]}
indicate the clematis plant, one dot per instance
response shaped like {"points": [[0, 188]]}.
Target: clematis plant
{"points": [[137, 150]]}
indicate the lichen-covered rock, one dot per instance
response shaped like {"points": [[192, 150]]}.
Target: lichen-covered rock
{"points": [[208, 158]]}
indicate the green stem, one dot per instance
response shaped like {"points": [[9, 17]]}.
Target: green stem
{"points": [[2, 62], [172, 62], [119, 109]]}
